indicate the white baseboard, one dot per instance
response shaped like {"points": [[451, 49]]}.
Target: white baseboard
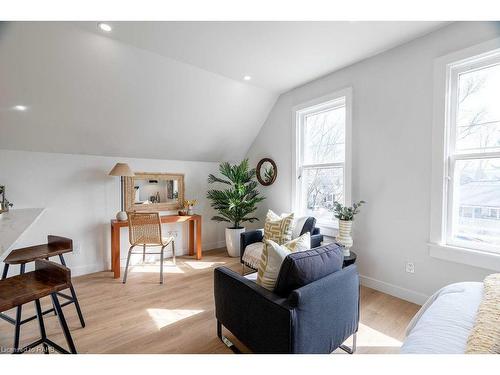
{"points": [[91, 268], [84, 270], [213, 245], [393, 290]]}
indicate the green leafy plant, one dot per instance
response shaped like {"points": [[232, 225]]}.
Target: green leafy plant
{"points": [[342, 212], [240, 199]]}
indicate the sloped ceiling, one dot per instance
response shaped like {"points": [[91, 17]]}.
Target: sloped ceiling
{"points": [[89, 94], [166, 90], [278, 55]]}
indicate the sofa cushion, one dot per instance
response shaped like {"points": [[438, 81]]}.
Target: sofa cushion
{"points": [[252, 254], [305, 267], [273, 255], [303, 225], [308, 225]]}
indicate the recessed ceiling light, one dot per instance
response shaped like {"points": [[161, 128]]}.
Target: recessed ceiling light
{"points": [[247, 78], [104, 27], [20, 107]]}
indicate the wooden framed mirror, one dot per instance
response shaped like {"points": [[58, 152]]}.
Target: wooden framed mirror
{"points": [[154, 192], [266, 171]]}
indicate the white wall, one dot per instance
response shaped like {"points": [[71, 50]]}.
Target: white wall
{"points": [[90, 94], [392, 123], [80, 199]]}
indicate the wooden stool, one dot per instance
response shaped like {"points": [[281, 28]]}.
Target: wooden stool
{"points": [[47, 280], [55, 246]]}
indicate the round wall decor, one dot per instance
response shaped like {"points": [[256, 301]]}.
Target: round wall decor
{"points": [[266, 171]]}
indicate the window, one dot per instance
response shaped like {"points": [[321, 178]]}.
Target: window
{"points": [[472, 170], [322, 169]]}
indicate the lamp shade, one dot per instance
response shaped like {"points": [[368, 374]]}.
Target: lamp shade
{"points": [[121, 169]]}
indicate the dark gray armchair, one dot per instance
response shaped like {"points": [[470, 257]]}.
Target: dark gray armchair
{"points": [[314, 308], [253, 236]]}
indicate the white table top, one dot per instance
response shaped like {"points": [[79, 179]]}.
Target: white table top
{"points": [[13, 224]]}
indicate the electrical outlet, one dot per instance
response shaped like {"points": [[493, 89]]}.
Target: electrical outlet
{"points": [[173, 233], [410, 267]]}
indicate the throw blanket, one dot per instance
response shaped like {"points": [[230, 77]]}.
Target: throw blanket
{"points": [[485, 335]]}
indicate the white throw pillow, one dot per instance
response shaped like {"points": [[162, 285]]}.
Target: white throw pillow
{"points": [[273, 256], [298, 225]]}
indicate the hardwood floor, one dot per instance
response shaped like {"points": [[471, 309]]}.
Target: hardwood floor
{"points": [[178, 317]]}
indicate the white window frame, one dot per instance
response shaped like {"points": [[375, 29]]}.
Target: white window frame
{"points": [[444, 157], [342, 97]]}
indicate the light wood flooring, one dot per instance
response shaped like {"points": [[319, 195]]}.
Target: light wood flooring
{"points": [[178, 317]]}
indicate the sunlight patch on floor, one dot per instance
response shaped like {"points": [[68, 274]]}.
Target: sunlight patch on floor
{"points": [[201, 265], [165, 317], [368, 336], [154, 268]]}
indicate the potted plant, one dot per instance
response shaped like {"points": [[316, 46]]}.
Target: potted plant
{"points": [[346, 216], [189, 204], [235, 203]]}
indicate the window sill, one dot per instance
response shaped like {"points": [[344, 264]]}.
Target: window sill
{"points": [[328, 229], [476, 258]]}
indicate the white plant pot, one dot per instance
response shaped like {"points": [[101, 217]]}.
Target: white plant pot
{"points": [[344, 238], [233, 241]]}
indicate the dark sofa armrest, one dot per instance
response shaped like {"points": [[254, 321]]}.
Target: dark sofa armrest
{"points": [[316, 240], [247, 238], [327, 311], [259, 318]]}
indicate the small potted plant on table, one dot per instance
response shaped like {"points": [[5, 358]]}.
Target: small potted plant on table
{"points": [[346, 216], [189, 206], [235, 203]]}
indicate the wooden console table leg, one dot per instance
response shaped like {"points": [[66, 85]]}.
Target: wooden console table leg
{"points": [[198, 238], [115, 251], [191, 237]]}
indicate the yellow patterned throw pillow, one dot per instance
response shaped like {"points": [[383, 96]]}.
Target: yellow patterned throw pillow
{"points": [[273, 256], [278, 228]]}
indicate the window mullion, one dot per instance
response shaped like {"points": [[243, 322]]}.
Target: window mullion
{"points": [[475, 156], [323, 165]]}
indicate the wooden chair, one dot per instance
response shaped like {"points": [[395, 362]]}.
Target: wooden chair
{"points": [[55, 246], [145, 230], [47, 280]]}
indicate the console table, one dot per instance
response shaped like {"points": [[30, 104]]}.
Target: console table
{"points": [[192, 241]]}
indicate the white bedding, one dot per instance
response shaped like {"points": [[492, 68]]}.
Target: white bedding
{"points": [[443, 324]]}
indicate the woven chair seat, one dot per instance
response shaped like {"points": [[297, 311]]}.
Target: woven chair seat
{"points": [[164, 242]]}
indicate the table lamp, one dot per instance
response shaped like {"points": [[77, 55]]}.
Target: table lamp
{"points": [[122, 170]]}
